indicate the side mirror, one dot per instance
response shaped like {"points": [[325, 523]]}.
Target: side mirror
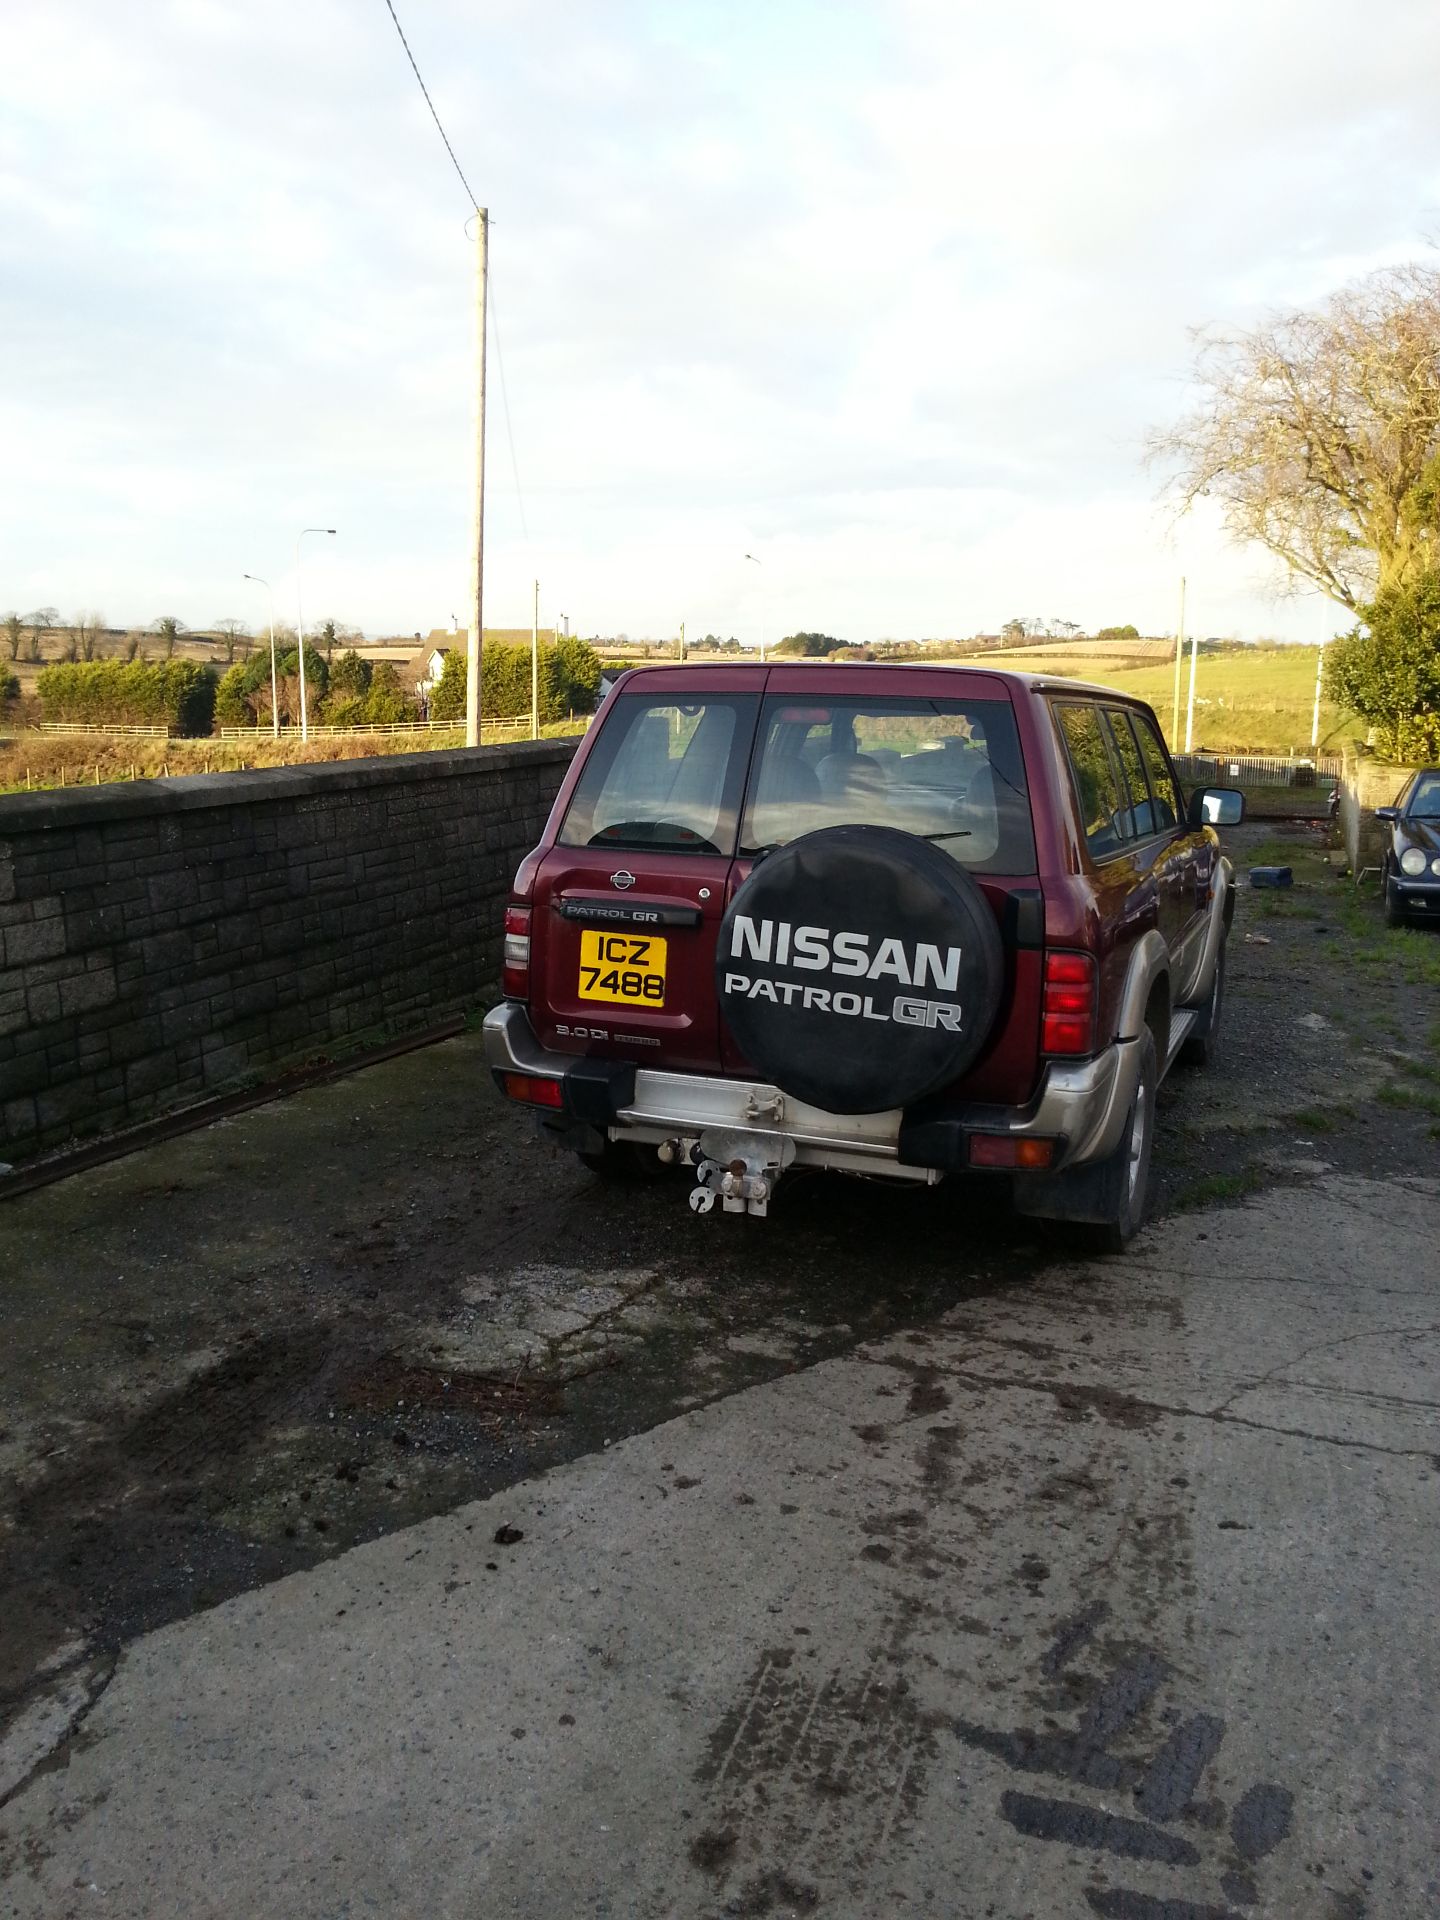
{"points": [[1216, 807], [1387, 813]]}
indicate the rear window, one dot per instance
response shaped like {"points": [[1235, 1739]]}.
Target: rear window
{"points": [[664, 772], [947, 770]]}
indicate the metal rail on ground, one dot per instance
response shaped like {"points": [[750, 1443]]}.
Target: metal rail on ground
{"points": [[58, 1166]]}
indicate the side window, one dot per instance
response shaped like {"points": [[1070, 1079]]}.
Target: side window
{"points": [[1168, 810], [1097, 784], [1139, 821]]}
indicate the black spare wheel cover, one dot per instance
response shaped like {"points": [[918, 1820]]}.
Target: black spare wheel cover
{"points": [[859, 968]]}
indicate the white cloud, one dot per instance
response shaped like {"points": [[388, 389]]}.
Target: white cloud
{"points": [[888, 294]]}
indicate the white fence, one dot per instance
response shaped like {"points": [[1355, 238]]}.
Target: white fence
{"points": [[90, 726], [516, 725]]}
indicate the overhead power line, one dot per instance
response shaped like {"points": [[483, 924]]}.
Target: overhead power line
{"points": [[469, 193], [505, 404], [494, 310]]}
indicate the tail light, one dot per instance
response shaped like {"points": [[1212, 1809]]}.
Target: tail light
{"points": [[515, 972], [1010, 1150], [533, 1090], [1067, 1023]]}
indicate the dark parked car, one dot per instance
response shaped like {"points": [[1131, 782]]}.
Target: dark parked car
{"points": [[1410, 873], [900, 921]]}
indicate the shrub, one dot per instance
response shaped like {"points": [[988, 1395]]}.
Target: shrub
{"points": [[569, 681], [447, 696], [807, 646], [179, 694], [232, 705], [1388, 670], [345, 712], [9, 685], [349, 677], [244, 696], [385, 704]]}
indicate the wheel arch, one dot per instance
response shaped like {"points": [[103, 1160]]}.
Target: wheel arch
{"points": [[1145, 996]]}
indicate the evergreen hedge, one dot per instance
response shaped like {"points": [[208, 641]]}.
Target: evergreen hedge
{"points": [[179, 694], [569, 681]]}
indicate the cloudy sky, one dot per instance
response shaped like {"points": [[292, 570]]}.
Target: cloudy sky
{"points": [[885, 294]]}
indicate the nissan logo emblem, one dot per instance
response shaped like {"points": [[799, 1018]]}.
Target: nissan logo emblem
{"points": [[622, 880]]}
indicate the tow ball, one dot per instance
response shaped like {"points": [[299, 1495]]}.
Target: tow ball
{"points": [[739, 1168]]}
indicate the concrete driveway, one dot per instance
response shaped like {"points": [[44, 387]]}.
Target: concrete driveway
{"points": [[393, 1521], [1111, 1595]]}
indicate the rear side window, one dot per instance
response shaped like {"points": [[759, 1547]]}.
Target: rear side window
{"points": [[1097, 782], [1168, 809], [664, 773], [950, 771], [1138, 822]]}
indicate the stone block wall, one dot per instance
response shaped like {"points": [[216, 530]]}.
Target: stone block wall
{"points": [[167, 940], [1365, 784]]}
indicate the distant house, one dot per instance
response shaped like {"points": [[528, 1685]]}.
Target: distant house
{"points": [[425, 670]]}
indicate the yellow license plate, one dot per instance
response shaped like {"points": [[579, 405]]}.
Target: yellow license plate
{"points": [[625, 967]]}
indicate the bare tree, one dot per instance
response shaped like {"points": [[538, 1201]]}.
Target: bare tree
{"points": [[87, 628], [1318, 434], [233, 631], [169, 630], [40, 622], [132, 646], [14, 633]]}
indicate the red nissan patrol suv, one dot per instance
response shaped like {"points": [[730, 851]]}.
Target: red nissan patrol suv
{"points": [[904, 921]]}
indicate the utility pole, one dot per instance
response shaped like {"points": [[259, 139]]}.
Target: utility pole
{"points": [[1179, 656], [477, 529], [1315, 718], [682, 640], [1190, 705], [535, 667]]}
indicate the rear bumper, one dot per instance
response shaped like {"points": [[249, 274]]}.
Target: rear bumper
{"points": [[1081, 1106]]}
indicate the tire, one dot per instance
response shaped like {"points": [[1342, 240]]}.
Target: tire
{"points": [[1118, 1187], [1202, 1041], [1395, 914]]}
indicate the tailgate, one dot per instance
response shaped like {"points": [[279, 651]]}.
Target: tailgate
{"points": [[626, 964]]}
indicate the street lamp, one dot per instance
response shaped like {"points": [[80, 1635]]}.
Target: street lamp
{"points": [[274, 687], [300, 623], [755, 563]]}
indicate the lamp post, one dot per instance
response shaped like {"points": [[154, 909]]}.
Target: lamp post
{"points": [[1179, 661], [755, 563], [274, 687], [300, 624], [535, 666]]}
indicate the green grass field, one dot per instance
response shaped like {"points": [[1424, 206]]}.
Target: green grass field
{"points": [[1247, 700], [1257, 701]]}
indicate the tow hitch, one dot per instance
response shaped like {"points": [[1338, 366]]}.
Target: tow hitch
{"points": [[739, 1168]]}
